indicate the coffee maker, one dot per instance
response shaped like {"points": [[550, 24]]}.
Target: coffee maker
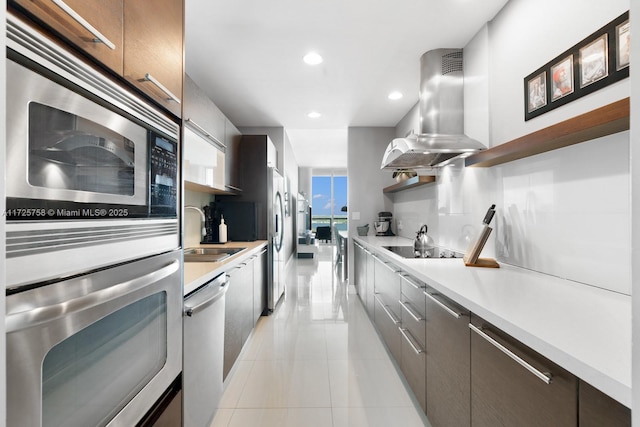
{"points": [[383, 224]]}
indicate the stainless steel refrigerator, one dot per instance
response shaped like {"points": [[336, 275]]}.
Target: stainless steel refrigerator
{"points": [[276, 233]]}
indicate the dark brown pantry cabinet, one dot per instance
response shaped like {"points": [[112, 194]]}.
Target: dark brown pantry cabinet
{"points": [[448, 362], [153, 49], [96, 28], [511, 385]]}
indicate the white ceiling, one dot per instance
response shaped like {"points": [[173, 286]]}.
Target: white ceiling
{"points": [[247, 55]]}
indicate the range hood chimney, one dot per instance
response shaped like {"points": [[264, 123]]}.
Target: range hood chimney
{"points": [[441, 137]]}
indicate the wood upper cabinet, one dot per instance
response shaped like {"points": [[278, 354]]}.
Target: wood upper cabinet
{"points": [[511, 385], [153, 49], [93, 27]]}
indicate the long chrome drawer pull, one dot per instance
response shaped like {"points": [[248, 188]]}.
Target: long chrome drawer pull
{"points": [[444, 306], [99, 37], [546, 377], [411, 282], [415, 316], [172, 97], [390, 266], [407, 336], [391, 315]]}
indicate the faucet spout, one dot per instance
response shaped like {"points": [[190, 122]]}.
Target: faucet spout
{"points": [[202, 218]]}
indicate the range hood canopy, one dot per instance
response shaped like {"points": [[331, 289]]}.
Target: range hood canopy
{"points": [[442, 137]]}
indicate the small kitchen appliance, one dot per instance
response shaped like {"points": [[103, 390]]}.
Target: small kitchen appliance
{"points": [[423, 242], [383, 224]]}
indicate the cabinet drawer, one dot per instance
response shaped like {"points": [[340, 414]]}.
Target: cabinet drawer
{"points": [[413, 320], [513, 385], [387, 284], [597, 409], [413, 365], [387, 324], [413, 292], [448, 362]]}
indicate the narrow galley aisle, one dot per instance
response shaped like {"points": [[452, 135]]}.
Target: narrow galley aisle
{"points": [[316, 362]]}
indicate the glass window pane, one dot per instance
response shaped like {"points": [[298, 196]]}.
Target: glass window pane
{"points": [[84, 379], [70, 152]]}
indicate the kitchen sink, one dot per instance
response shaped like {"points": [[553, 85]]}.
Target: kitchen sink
{"points": [[209, 254]]}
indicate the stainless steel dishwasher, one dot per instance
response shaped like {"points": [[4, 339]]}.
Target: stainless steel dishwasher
{"points": [[203, 351]]}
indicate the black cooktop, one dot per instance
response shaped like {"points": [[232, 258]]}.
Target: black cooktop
{"points": [[432, 252]]}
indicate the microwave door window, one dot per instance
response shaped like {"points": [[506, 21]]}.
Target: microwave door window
{"points": [[69, 152]]}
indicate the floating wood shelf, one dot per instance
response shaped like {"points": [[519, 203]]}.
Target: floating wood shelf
{"points": [[607, 120], [416, 181]]}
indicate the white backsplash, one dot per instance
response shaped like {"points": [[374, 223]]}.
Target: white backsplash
{"points": [[565, 213]]}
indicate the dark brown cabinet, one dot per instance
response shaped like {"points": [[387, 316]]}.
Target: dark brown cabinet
{"points": [[463, 370], [511, 385], [259, 285], [232, 138], [387, 306], [238, 312], [153, 50], [448, 362], [370, 290], [596, 409], [413, 331], [96, 28], [360, 273]]}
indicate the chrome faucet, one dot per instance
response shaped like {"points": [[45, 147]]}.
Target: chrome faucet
{"points": [[203, 219]]}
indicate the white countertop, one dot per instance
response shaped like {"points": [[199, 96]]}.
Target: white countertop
{"points": [[584, 329], [197, 274]]}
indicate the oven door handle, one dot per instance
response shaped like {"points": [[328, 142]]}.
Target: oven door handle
{"points": [[48, 313]]}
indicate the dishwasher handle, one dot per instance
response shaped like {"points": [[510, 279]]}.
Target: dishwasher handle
{"points": [[206, 295]]}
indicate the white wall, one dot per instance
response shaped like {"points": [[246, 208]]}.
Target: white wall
{"points": [[366, 145], [564, 213], [192, 219], [526, 35]]}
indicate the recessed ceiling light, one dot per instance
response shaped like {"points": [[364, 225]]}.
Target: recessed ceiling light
{"points": [[313, 115], [395, 95], [312, 58]]}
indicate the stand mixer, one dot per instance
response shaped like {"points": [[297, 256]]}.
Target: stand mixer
{"points": [[383, 224]]}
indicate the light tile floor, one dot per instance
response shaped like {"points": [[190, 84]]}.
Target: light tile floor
{"points": [[316, 361]]}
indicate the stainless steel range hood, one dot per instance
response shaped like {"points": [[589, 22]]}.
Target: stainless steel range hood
{"points": [[441, 106]]}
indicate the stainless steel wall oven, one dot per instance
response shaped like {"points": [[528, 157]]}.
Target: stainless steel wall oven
{"points": [[93, 268], [89, 164]]}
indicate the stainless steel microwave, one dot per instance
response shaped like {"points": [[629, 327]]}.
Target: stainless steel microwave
{"points": [[92, 175], [70, 157]]}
